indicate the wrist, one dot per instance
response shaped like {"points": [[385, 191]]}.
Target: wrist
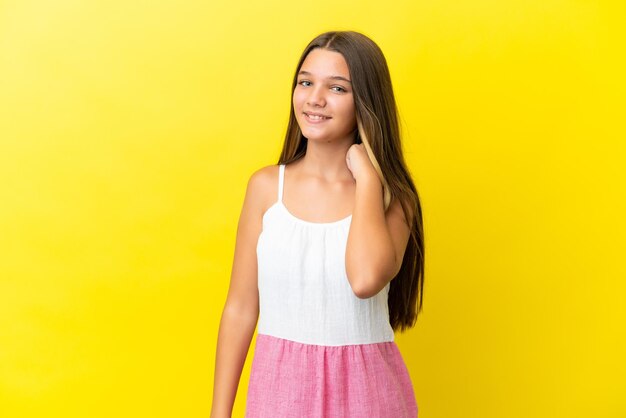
{"points": [[369, 181]]}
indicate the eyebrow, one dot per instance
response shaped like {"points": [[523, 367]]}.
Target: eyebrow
{"points": [[332, 77]]}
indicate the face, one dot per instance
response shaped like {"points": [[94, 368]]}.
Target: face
{"points": [[322, 99]]}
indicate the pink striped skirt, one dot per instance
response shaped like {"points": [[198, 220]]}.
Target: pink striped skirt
{"points": [[294, 380]]}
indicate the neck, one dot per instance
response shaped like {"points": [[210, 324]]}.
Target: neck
{"points": [[327, 159]]}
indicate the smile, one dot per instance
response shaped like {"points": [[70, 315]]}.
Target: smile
{"points": [[315, 118]]}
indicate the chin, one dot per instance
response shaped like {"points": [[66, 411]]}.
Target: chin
{"points": [[315, 138]]}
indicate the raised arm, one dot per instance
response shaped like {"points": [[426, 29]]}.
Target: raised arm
{"points": [[377, 239], [241, 310]]}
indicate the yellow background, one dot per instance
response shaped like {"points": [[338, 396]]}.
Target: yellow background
{"points": [[128, 130]]}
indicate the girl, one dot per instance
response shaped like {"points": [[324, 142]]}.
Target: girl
{"points": [[329, 256]]}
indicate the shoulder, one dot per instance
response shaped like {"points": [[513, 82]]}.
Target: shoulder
{"points": [[401, 210], [262, 188], [264, 179], [264, 175]]}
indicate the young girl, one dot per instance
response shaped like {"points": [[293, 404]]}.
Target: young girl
{"points": [[329, 256]]}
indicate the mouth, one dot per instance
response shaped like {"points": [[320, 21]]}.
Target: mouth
{"points": [[315, 117]]}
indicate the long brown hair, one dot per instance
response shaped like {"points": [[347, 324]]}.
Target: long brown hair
{"points": [[379, 131]]}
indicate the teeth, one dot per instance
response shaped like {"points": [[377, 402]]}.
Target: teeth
{"points": [[316, 117]]}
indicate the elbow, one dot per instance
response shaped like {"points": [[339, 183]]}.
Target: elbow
{"points": [[369, 272], [367, 288], [366, 283], [364, 293], [241, 309]]}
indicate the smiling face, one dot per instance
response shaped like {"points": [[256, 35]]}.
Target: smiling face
{"points": [[322, 99]]}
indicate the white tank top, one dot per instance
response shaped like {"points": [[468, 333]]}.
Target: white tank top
{"points": [[304, 293]]}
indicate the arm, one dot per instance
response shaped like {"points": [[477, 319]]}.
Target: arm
{"points": [[241, 310], [377, 239]]}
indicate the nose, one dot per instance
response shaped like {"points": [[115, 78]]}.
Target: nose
{"points": [[316, 97]]}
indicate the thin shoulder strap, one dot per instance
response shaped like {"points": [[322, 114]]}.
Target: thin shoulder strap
{"points": [[281, 181]]}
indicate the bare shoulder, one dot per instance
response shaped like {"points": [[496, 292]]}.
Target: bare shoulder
{"points": [[397, 211], [262, 189]]}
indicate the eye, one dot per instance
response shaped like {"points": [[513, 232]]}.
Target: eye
{"points": [[304, 83], [339, 89]]}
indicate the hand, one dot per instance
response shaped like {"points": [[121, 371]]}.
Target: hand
{"points": [[360, 164]]}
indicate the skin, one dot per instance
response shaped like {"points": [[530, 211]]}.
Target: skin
{"points": [[334, 169]]}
